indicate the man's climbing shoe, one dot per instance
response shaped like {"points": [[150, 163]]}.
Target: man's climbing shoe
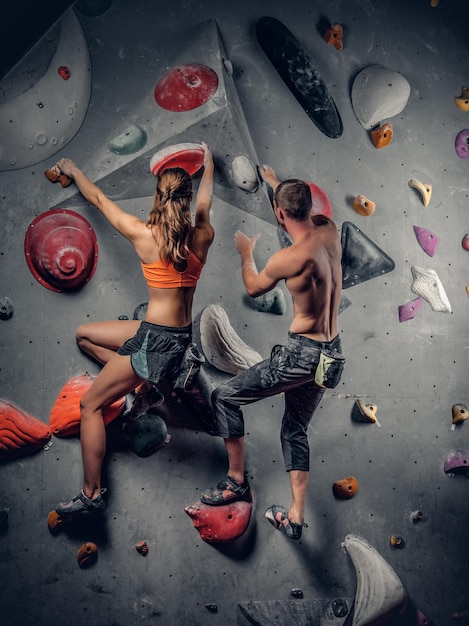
{"points": [[278, 517], [81, 504], [143, 402], [227, 490]]}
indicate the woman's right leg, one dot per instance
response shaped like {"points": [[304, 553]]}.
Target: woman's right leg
{"points": [[101, 340]]}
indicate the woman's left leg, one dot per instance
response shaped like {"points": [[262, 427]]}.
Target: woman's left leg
{"points": [[116, 379], [101, 340]]}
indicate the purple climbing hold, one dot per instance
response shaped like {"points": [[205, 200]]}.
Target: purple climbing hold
{"points": [[409, 311], [428, 241], [457, 462]]}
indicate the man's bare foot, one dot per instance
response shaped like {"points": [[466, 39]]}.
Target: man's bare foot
{"points": [[269, 176]]}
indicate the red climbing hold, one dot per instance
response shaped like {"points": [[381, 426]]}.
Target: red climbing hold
{"points": [[61, 250], [64, 72], [189, 156], [220, 523], [321, 203], [20, 432], [65, 415], [186, 87]]}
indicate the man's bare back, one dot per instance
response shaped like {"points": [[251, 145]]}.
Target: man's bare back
{"points": [[311, 268]]}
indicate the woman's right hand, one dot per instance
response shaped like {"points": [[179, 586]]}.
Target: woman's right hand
{"points": [[67, 166], [208, 159]]}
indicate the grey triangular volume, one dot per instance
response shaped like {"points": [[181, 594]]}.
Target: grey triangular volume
{"points": [[362, 259]]}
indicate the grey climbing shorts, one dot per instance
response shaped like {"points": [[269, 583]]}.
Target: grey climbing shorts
{"points": [[156, 351]]}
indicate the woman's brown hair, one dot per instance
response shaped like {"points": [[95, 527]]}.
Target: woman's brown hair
{"points": [[171, 214]]}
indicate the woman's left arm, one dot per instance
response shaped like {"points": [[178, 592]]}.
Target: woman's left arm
{"points": [[125, 223]]}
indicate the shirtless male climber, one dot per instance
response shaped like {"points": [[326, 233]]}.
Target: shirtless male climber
{"points": [[311, 268]]}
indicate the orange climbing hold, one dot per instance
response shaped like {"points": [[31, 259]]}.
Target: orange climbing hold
{"points": [[334, 35], [363, 206], [20, 432], [55, 521], [65, 415], [345, 488], [87, 554], [382, 135]]}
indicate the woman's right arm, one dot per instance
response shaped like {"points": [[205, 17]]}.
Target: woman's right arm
{"points": [[204, 197], [127, 224]]}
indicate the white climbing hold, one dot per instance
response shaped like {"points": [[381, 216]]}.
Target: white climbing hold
{"points": [[244, 174], [222, 347], [427, 284], [380, 594]]}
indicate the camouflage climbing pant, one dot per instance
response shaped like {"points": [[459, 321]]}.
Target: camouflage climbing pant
{"points": [[290, 370]]}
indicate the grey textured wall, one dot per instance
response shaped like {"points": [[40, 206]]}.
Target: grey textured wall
{"points": [[413, 371]]}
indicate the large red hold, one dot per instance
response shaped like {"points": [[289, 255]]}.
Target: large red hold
{"points": [[20, 432], [223, 523], [64, 417], [186, 87]]}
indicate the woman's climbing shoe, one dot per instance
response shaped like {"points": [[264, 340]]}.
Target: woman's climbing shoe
{"points": [[278, 516], [82, 504], [227, 490]]}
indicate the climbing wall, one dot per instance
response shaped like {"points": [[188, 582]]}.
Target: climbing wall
{"points": [[387, 501]]}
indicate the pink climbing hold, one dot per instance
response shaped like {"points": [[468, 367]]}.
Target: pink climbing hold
{"points": [[428, 241], [422, 620], [457, 462], [409, 311], [465, 242]]}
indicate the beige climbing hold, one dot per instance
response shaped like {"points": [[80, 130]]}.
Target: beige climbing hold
{"points": [[424, 189], [460, 414], [434, 3], [363, 206], [382, 135], [467, 289], [462, 102], [222, 347], [333, 35], [368, 411]]}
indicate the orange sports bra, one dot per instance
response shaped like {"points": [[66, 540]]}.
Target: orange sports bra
{"points": [[163, 275]]}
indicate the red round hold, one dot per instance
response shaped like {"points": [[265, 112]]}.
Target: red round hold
{"points": [[64, 72], [186, 87], [61, 250]]}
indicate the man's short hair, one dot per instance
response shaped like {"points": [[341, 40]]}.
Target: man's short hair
{"points": [[294, 197]]}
